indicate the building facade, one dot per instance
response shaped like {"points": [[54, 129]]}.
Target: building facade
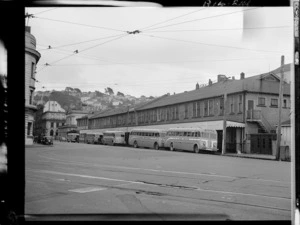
{"points": [[71, 122], [48, 118], [249, 105], [31, 59]]}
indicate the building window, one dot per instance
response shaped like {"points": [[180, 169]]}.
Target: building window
{"points": [[211, 107], [206, 108], [51, 133], [31, 97], [194, 109], [29, 128], [274, 102], [198, 109], [261, 101], [185, 111], [284, 103], [231, 106], [221, 106], [52, 124], [32, 70], [240, 103]]}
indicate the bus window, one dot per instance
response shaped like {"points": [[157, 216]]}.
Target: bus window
{"points": [[185, 134]]}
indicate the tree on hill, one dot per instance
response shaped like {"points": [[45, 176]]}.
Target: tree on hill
{"points": [[99, 94], [120, 94], [66, 101], [77, 90], [109, 91], [69, 89]]}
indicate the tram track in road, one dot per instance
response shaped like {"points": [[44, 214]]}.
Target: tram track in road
{"points": [[122, 168], [165, 192]]}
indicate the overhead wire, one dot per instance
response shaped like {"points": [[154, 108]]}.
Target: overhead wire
{"points": [[204, 18], [76, 43], [120, 36], [219, 29], [80, 24], [44, 11], [215, 45], [172, 19]]}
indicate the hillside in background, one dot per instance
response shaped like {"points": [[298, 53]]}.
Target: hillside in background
{"points": [[73, 98]]}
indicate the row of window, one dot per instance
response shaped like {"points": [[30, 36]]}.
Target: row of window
{"points": [[145, 134], [274, 102], [191, 134], [57, 124]]}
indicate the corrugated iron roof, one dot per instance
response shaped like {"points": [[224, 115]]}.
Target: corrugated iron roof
{"points": [[250, 84]]}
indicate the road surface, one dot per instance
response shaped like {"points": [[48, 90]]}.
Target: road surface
{"points": [[77, 178]]}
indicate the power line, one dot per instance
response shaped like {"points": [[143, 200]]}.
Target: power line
{"points": [[80, 24], [76, 51], [218, 29], [225, 14], [168, 62], [60, 46], [171, 19], [222, 46], [44, 11]]}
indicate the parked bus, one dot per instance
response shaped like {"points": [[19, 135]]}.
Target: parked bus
{"points": [[73, 137], [114, 138], [90, 138], [191, 139], [149, 138], [82, 137], [98, 138]]}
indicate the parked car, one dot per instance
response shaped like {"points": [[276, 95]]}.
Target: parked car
{"points": [[47, 140]]}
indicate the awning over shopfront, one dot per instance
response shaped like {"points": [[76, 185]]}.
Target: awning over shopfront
{"points": [[213, 125]]}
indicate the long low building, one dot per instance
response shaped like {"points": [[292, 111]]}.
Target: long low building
{"points": [[250, 104]]}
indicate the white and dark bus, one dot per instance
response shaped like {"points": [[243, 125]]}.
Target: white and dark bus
{"points": [[149, 138], [191, 139], [114, 138]]}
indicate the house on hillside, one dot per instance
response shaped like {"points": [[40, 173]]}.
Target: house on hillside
{"points": [[251, 111]]}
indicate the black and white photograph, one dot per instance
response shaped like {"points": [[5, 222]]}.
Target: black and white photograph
{"points": [[159, 113]]}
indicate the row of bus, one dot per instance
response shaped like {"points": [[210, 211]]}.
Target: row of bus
{"points": [[189, 139]]}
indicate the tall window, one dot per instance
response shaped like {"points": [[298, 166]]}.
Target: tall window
{"points": [[194, 109], [158, 114], [240, 103], [186, 111], [211, 107], [231, 105], [30, 97], [198, 109], [29, 128], [284, 103], [52, 124], [221, 106], [261, 101], [274, 102], [205, 108], [32, 70]]}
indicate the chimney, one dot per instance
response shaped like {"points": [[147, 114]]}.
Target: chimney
{"points": [[242, 76], [209, 82], [221, 77], [27, 29], [197, 86]]}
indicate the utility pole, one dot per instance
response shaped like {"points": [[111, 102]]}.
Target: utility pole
{"points": [[280, 105], [224, 125]]}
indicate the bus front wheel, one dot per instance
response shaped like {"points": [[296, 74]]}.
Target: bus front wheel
{"points": [[135, 145], [196, 149], [156, 147]]}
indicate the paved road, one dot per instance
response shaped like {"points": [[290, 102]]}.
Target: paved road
{"points": [[72, 178]]}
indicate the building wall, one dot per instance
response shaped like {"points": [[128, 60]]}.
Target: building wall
{"points": [[31, 59], [270, 113], [178, 113], [53, 106]]}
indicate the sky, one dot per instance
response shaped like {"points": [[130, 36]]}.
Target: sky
{"points": [[152, 51]]}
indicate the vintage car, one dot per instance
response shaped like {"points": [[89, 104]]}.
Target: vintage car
{"points": [[47, 140]]}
